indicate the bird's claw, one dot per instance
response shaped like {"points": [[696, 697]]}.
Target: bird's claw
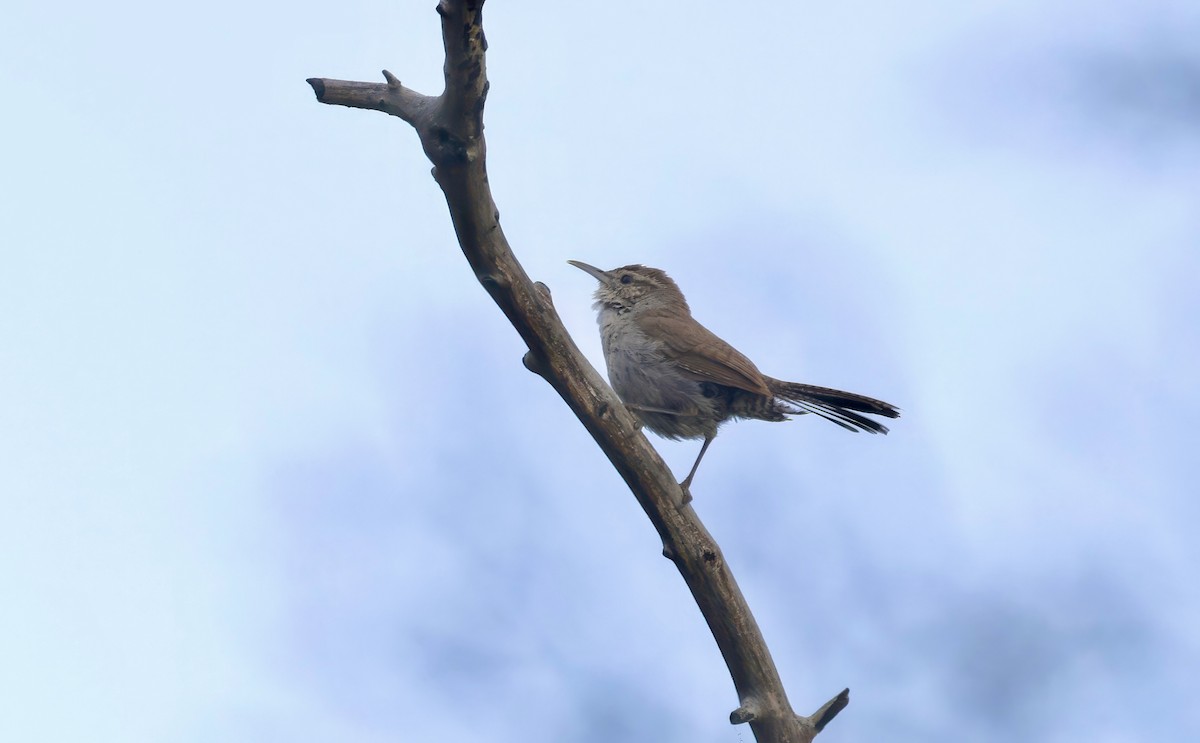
{"points": [[687, 494]]}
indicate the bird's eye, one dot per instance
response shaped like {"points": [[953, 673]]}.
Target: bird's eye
{"points": [[626, 279]]}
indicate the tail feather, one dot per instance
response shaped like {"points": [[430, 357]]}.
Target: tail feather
{"points": [[842, 408]]}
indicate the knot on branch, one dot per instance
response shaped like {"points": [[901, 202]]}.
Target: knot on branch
{"points": [[494, 281], [446, 148], [542, 290], [746, 713], [535, 363]]}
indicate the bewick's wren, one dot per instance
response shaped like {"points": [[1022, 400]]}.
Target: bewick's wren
{"points": [[683, 382]]}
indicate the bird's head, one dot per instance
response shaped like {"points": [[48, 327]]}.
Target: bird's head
{"points": [[629, 286]]}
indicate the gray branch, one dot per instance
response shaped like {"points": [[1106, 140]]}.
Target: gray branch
{"points": [[450, 127]]}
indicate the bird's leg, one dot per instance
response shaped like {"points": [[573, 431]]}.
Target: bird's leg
{"points": [[687, 481]]}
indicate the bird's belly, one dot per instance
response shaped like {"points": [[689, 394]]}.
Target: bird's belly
{"points": [[679, 426], [659, 393]]}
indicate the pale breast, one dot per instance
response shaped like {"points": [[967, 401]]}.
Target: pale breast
{"points": [[643, 378]]}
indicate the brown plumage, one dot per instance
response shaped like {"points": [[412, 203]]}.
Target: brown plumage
{"points": [[683, 382]]}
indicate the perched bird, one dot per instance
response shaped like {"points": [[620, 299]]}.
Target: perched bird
{"points": [[682, 381]]}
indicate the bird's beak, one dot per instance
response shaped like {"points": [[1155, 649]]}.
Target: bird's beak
{"points": [[601, 276]]}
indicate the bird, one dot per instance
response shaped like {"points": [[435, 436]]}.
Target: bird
{"points": [[681, 381]]}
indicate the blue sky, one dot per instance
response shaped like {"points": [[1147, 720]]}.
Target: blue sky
{"points": [[272, 468]]}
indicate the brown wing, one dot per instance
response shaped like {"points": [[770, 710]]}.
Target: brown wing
{"points": [[701, 353]]}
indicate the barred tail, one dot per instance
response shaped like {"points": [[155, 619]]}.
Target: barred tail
{"points": [[843, 408]]}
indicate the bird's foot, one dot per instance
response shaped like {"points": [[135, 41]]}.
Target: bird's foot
{"points": [[685, 486]]}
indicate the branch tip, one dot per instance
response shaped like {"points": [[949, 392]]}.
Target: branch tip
{"points": [[392, 80], [318, 86], [830, 710]]}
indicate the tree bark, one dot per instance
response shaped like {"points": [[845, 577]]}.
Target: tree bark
{"points": [[450, 127]]}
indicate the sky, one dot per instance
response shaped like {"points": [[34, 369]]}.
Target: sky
{"points": [[271, 468]]}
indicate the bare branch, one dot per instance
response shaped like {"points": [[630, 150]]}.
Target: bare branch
{"points": [[391, 98], [450, 127], [829, 710]]}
